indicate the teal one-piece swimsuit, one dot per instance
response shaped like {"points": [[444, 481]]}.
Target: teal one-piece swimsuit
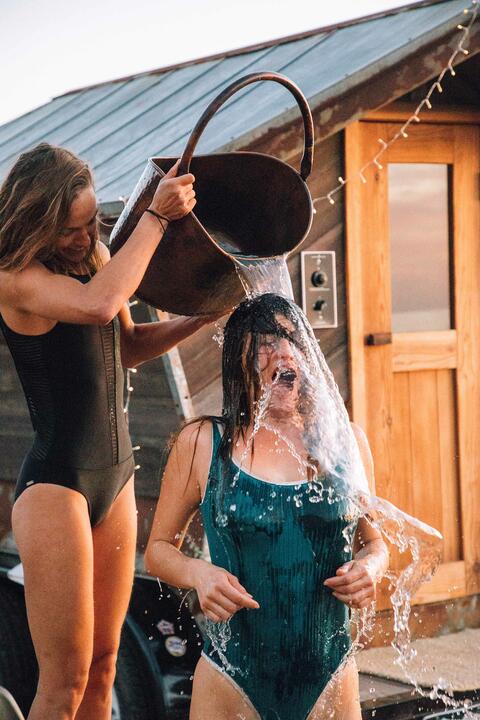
{"points": [[281, 546]]}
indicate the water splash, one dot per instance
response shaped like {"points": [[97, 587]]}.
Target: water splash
{"points": [[260, 276], [332, 468]]}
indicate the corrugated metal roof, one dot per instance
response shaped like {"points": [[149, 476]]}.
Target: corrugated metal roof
{"points": [[116, 126]]}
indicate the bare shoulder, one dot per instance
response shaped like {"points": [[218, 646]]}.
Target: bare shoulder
{"points": [[365, 453], [360, 435], [193, 447], [14, 284], [195, 436], [103, 251]]}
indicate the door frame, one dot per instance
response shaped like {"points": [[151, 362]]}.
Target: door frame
{"points": [[462, 577]]}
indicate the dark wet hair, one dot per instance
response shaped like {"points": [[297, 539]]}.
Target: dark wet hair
{"points": [[245, 330]]}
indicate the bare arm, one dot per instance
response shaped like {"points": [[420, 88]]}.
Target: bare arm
{"points": [[37, 291], [146, 341], [141, 342], [355, 582], [220, 593]]}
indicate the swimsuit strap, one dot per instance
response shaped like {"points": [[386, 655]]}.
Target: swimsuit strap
{"points": [[216, 439], [215, 463]]}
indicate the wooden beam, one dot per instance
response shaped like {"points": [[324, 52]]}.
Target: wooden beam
{"points": [[401, 111], [354, 279], [466, 222], [175, 374], [424, 351]]}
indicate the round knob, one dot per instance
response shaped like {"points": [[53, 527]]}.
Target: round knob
{"points": [[319, 278], [319, 305]]}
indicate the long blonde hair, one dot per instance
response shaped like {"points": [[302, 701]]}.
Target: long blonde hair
{"points": [[35, 201]]}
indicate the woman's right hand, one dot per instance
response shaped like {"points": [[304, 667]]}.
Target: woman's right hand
{"points": [[174, 196], [219, 592]]}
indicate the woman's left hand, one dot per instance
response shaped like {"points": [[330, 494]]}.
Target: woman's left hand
{"points": [[354, 584]]}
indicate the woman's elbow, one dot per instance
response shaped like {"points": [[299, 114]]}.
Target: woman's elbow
{"points": [[105, 313], [149, 560], [102, 310]]}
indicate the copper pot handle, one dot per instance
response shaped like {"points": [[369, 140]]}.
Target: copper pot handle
{"points": [[307, 159]]}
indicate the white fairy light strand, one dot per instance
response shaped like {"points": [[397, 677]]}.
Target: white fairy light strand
{"points": [[414, 117]]}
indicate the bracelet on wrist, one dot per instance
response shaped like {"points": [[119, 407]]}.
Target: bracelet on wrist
{"points": [[161, 218]]}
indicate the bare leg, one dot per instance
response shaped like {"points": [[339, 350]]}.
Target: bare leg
{"points": [[215, 697], [340, 700], [53, 534], [114, 559]]}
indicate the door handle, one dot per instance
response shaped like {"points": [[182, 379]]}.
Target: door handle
{"points": [[377, 339]]}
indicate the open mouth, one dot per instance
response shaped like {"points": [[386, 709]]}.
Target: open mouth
{"points": [[285, 377]]}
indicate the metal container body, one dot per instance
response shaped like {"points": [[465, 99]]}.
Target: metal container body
{"points": [[248, 205]]}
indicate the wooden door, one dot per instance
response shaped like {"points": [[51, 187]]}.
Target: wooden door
{"points": [[415, 376]]}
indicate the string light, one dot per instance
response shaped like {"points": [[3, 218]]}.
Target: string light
{"points": [[436, 85]]}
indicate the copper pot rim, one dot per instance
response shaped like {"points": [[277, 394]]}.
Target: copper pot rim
{"points": [[270, 158]]}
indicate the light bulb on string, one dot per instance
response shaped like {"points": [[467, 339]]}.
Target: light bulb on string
{"points": [[436, 85]]}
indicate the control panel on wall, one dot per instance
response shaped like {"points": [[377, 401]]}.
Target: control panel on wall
{"points": [[319, 288]]}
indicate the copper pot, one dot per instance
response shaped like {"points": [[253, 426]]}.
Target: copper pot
{"points": [[249, 205]]}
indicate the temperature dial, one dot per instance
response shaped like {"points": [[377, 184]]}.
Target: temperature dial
{"points": [[319, 278]]}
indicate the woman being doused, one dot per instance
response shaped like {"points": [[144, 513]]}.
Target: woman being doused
{"points": [[279, 479]]}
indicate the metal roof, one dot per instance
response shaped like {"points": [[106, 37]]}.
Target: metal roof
{"points": [[117, 125]]}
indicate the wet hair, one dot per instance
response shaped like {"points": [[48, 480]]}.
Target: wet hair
{"points": [[244, 332], [35, 201]]}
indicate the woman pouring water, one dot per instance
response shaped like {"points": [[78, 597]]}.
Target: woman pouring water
{"points": [[65, 316], [279, 480]]}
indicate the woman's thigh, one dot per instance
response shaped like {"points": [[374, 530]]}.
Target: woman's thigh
{"points": [[215, 697], [341, 698], [114, 542], [52, 530]]}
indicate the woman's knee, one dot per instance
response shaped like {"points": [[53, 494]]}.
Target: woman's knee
{"points": [[64, 687], [102, 672]]}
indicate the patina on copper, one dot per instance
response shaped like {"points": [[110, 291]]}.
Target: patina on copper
{"points": [[248, 205]]}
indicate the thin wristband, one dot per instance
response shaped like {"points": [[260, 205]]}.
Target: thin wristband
{"points": [[159, 217]]}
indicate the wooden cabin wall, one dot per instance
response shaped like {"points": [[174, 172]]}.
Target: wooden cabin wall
{"points": [[201, 355]]}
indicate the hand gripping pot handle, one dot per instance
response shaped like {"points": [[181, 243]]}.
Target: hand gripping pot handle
{"points": [[307, 159]]}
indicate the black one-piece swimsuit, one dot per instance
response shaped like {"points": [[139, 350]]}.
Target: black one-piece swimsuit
{"points": [[72, 377]]}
